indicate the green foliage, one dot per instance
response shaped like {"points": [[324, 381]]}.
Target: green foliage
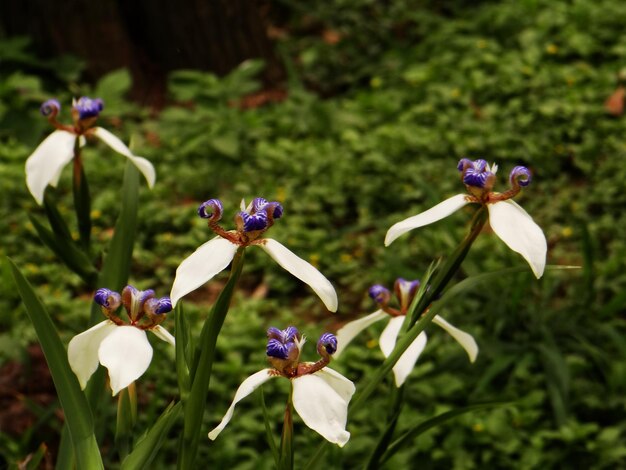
{"points": [[409, 88]]}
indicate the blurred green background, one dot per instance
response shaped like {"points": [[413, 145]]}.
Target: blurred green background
{"points": [[355, 120]]}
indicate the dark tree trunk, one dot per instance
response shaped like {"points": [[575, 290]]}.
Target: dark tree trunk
{"points": [[150, 37]]}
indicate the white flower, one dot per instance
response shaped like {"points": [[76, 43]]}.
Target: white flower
{"points": [[123, 349], [507, 219], [215, 255], [45, 164], [406, 291], [320, 395]]}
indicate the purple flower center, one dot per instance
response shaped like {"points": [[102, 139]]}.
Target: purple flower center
{"points": [[254, 222], [379, 294], [328, 341], [88, 107]]}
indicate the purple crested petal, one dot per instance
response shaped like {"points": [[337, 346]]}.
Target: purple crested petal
{"points": [[254, 222], [88, 107], [258, 204], [279, 350], [477, 178]]}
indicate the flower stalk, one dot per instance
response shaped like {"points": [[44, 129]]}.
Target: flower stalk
{"points": [[286, 441], [200, 373]]}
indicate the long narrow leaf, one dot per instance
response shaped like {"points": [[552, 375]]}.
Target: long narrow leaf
{"points": [[420, 428], [117, 261], [268, 430], [75, 407], [67, 251], [82, 200], [182, 346], [203, 365], [147, 447]]}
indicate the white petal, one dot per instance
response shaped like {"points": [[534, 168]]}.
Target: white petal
{"points": [[346, 333], [322, 406], [163, 335], [45, 164], [208, 260], [246, 388], [464, 339], [303, 271], [407, 361], [82, 352], [440, 211], [116, 144], [127, 353], [521, 234]]}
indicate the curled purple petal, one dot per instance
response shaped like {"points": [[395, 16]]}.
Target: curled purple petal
{"points": [[464, 164], [50, 107], [275, 209], [328, 341], [520, 175], [107, 298], [211, 209]]}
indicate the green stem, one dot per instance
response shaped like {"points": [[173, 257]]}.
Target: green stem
{"points": [[395, 406], [126, 418], [200, 373], [82, 199], [417, 324], [286, 442]]}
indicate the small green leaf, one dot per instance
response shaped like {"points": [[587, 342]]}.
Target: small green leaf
{"points": [[268, 429]]}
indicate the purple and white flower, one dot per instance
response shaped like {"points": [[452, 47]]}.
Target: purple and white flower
{"points": [[405, 292], [320, 395], [507, 219], [120, 346], [251, 223], [45, 164]]}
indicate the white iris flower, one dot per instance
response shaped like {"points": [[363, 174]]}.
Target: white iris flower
{"points": [[320, 395], [405, 292], [45, 164], [507, 219], [122, 348], [251, 223]]}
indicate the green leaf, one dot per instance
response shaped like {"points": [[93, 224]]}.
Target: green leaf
{"points": [[67, 251], [82, 200], [148, 446], [116, 266], [417, 429], [203, 365], [183, 358], [75, 407], [268, 429]]}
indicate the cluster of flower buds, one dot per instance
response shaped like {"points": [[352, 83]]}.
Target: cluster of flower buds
{"points": [[405, 293], [144, 310], [284, 348], [479, 179], [250, 221]]}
